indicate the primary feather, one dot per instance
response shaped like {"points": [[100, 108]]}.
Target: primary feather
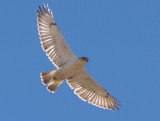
{"points": [[52, 39]]}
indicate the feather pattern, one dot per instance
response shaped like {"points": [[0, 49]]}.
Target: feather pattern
{"points": [[89, 90], [52, 40], [62, 57]]}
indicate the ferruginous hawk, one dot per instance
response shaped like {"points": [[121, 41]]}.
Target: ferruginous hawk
{"points": [[69, 66]]}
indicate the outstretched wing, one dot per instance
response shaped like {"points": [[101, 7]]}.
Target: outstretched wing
{"points": [[52, 39], [89, 90]]}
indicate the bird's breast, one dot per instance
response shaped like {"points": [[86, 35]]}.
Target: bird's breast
{"points": [[69, 69]]}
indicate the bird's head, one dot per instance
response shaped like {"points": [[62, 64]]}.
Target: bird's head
{"points": [[84, 59]]}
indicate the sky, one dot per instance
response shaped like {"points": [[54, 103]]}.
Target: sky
{"points": [[121, 38]]}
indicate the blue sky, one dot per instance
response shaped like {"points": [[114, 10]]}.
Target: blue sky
{"points": [[121, 38]]}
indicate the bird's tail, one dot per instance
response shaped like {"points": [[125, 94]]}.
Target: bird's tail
{"points": [[48, 79]]}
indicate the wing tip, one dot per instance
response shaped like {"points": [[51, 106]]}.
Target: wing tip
{"points": [[45, 9]]}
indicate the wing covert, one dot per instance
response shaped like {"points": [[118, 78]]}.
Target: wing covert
{"points": [[52, 40]]}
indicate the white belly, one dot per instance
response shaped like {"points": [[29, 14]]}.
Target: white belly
{"points": [[69, 69]]}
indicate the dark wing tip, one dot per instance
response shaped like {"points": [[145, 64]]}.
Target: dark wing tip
{"points": [[38, 12], [41, 10], [115, 105], [44, 10]]}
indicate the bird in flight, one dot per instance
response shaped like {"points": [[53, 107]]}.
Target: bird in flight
{"points": [[69, 67]]}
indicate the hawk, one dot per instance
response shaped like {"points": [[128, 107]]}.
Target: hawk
{"points": [[69, 67]]}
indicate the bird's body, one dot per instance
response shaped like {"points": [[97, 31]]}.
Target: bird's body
{"points": [[69, 66]]}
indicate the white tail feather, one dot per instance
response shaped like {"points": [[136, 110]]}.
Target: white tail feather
{"points": [[48, 79]]}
